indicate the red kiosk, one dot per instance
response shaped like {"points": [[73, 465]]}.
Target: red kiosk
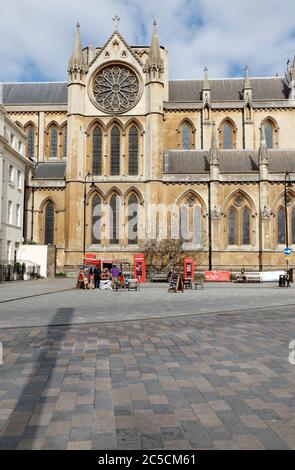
{"points": [[139, 267], [189, 269]]}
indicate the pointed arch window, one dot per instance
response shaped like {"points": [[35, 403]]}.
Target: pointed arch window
{"points": [[133, 151], [186, 137], [31, 142], [115, 151], [185, 233], [49, 224], [114, 220], [132, 220], [232, 226], [97, 151], [269, 134], [53, 142], [227, 136], [190, 222], [246, 226], [65, 141], [197, 224], [281, 226], [96, 220], [293, 226]]}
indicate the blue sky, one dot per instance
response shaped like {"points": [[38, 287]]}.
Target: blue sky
{"points": [[36, 37]]}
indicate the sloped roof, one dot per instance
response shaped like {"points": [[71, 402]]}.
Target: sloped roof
{"points": [[50, 170], [180, 91], [231, 161], [229, 89], [35, 93]]}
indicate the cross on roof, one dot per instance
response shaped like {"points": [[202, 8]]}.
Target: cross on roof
{"points": [[116, 21]]}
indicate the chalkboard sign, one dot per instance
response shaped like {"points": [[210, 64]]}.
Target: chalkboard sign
{"points": [[176, 283]]}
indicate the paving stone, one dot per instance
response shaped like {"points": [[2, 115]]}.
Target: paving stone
{"points": [[151, 441], [200, 382], [104, 441], [172, 434]]}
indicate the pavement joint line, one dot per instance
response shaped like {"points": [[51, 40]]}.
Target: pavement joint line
{"points": [[35, 295], [140, 320]]}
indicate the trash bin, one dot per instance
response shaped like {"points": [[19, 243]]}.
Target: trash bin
{"points": [[282, 280], [291, 274]]}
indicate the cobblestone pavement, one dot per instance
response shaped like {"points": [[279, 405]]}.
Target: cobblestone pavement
{"points": [[199, 382]]}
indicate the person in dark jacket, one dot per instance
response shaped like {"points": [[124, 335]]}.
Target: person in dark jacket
{"points": [[96, 273], [170, 274]]}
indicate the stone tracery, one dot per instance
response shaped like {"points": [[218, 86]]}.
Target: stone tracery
{"points": [[116, 88]]}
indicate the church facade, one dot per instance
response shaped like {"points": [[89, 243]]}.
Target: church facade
{"points": [[123, 154]]}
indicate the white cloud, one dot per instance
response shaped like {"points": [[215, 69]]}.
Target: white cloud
{"points": [[36, 37]]}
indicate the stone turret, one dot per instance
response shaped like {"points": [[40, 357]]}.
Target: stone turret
{"points": [[263, 151], [154, 66], [247, 89], [214, 154], [206, 90], [290, 76], [77, 67]]}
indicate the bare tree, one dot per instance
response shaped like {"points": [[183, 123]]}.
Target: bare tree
{"points": [[160, 254]]}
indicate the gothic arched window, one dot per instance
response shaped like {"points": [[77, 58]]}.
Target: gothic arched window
{"points": [[114, 220], [31, 142], [132, 220], [197, 224], [49, 224], [133, 151], [232, 226], [186, 137], [190, 222], [246, 226], [281, 226], [65, 141], [269, 134], [115, 151], [96, 220], [293, 226], [185, 233], [227, 136], [53, 142], [96, 151]]}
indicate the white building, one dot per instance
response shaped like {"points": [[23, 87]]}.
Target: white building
{"points": [[12, 186]]}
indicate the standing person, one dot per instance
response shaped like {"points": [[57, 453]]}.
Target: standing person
{"points": [[91, 278], [97, 274], [115, 272], [170, 274], [288, 278]]}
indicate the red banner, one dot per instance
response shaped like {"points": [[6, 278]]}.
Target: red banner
{"points": [[217, 276]]}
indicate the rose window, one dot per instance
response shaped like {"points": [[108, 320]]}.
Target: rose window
{"points": [[116, 88]]}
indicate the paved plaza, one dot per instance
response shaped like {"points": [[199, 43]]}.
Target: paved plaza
{"points": [[33, 307], [200, 370]]}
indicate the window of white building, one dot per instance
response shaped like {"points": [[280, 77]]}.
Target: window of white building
{"points": [[10, 212], [19, 179], [10, 174]]}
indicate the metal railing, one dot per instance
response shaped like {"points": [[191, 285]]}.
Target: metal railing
{"points": [[18, 271]]}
